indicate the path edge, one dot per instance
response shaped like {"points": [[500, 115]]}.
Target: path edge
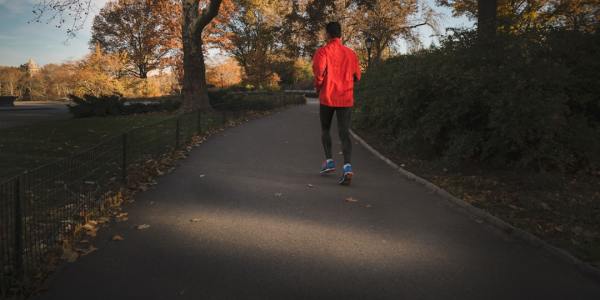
{"points": [[473, 211]]}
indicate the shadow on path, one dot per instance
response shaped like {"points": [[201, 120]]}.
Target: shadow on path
{"points": [[259, 231]]}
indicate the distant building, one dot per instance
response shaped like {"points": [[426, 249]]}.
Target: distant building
{"points": [[31, 67]]}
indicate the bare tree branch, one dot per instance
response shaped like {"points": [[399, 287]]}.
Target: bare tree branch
{"points": [[71, 15]]}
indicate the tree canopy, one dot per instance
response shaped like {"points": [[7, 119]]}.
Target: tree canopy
{"points": [[144, 30]]}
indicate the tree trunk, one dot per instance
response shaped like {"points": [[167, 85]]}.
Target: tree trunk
{"points": [[142, 71], [486, 18], [378, 46], [195, 95]]}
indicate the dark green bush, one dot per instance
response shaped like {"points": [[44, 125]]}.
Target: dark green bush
{"points": [[168, 105], [529, 101], [217, 97], [257, 101], [99, 106]]}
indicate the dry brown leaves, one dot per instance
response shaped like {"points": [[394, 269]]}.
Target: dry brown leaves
{"points": [[351, 200], [355, 201], [71, 253], [122, 217], [142, 227], [141, 177]]}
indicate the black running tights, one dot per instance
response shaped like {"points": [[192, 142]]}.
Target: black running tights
{"points": [[344, 117]]}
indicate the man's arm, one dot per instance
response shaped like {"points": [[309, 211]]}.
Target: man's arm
{"points": [[357, 71], [319, 68]]}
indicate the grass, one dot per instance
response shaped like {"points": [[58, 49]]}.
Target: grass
{"points": [[562, 209], [27, 147]]}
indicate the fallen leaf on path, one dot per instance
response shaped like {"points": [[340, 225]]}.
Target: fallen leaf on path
{"points": [[142, 227], [515, 207], [86, 251], [195, 220], [310, 186], [122, 217], [350, 199], [88, 226], [69, 255], [117, 237], [545, 206], [202, 175]]}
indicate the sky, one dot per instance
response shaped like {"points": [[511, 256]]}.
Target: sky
{"points": [[20, 40], [43, 42]]}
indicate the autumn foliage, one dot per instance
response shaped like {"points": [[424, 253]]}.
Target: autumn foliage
{"points": [[224, 73]]}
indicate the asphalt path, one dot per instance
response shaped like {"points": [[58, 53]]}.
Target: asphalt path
{"points": [[246, 216]]}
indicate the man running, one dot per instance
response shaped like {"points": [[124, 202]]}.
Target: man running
{"points": [[336, 68]]}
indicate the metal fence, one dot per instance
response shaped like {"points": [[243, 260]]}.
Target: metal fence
{"points": [[41, 208]]}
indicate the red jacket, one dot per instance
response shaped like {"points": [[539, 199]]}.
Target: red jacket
{"points": [[336, 67]]}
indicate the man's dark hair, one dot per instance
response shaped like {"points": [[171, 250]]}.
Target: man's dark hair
{"points": [[334, 29]]}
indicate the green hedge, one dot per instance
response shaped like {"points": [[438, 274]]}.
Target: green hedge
{"points": [[530, 101], [97, 106], [258, 101], [100, 106]]}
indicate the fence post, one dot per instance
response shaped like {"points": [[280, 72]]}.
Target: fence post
{"points": [[199, 122], [177, 128], [124, 165], [19, 227]]}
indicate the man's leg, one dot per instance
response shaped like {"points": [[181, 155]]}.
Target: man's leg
{"points": [[344, 118], [326, 115]]}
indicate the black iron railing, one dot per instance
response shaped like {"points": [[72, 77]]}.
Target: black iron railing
{"points": [[41, 208]]}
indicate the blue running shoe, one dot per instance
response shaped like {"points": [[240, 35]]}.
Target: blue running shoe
{"points": [[347, 175], [328, 166]]}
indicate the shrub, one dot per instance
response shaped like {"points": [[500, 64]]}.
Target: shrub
{"points": [[155, 106], [258, 101], [90, 105], [99, 106], [531, 101]]}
